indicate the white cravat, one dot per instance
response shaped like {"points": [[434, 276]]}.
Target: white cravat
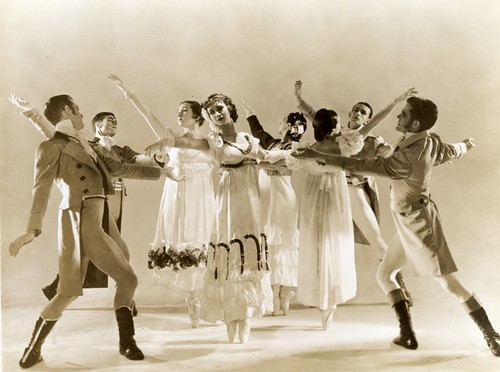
{"points": [[106, 141], [66, 127]]}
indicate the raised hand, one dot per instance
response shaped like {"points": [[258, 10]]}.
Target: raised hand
{"points": [[248, 109], [298, 89], [409, 93], [20, 102], [206, 115], [119, 84], [22, 240]]}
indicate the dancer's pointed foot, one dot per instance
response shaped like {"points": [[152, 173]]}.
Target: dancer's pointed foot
{"points": [[276, 299], [194, 310], [244, 330], [287, 294], [232, 327], [276, 305], [327, 318]]}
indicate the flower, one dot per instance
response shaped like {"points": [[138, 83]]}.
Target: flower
{"points": [[176, 259]]}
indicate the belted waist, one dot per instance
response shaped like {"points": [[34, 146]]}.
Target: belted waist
{"points": [[275, 173], [240, 164]]}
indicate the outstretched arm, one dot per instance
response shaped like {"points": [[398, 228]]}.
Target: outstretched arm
{"points": [[156, 125], [38, 120], [382, 114], [172, 141]]}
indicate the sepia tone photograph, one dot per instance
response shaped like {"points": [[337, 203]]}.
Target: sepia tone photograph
{"points": [[249, 185]]}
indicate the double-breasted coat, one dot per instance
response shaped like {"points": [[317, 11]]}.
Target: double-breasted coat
{"points": [[415, 214], [63, 161]]}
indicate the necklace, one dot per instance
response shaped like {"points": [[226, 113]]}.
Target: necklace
{"points": [[244, 152]]}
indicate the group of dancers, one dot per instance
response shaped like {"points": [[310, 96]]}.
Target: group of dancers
{"points": [[247, 248]]}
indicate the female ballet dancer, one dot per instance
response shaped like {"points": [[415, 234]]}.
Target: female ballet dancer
{"points": [[186, 208], [237, 284]]}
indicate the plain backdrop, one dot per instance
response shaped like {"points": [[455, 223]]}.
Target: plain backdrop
{"points": [[169, 51]]}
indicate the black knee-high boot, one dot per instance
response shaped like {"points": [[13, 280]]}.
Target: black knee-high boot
{"points": [[33, 353], [406, 337], [402, 284], [128, 347], [478, 314], [51, 290]]}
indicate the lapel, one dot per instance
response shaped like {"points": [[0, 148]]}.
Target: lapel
{"points": [[77, 152], [412, 139]]}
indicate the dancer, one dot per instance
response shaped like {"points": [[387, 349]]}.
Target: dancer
{"points": [[363, 188], [82, 176], [281, 212], [186, 209], [105, 127], [237, 283], [327, 273], [420, 240]]}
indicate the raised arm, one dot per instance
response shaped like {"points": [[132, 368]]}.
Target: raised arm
{"points": [[303, 106], [266, 140], [38, 120], [156, 125], [382, 114]]}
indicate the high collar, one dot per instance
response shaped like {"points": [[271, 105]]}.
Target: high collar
{"points": [[411, 138], [66, 127], [105, 141]]}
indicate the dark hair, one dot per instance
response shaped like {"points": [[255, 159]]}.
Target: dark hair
{"points": [[325, 121], [214, 98], [297, 116], [367, 105], [423, 110], [55, 106], [100, 117], [196, 108]]}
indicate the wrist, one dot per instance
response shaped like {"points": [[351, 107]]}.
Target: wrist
{"points": [[35, 232], [128, 93], [169, 141]]}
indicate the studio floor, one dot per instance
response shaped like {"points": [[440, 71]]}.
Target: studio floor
{"points": [[85, 339]]}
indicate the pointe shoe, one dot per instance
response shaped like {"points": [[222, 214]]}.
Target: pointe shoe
{"points": [[231, 330], [276, 299], [194, 311], [244, 330], [326, 318], [276, 305], [286, 296]]}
